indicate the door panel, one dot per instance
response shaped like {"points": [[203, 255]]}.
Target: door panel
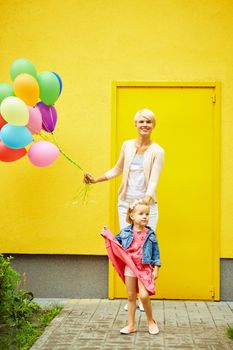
{"points": [[188, 186]]}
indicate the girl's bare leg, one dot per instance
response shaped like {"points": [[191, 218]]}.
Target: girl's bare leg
{"points": [[146, 302], [131, 286]]}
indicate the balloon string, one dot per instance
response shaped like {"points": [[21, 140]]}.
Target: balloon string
{"points": [[51, 116], [55, 142], [82, 194], [52, 121], [64, 154]]}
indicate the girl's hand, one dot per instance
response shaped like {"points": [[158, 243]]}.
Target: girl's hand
{"points": [[155, 272], [88, 178]]}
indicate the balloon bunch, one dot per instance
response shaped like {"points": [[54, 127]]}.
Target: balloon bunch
{"points": [[27, 111]]}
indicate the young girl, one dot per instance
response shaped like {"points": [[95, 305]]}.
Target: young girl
{"points": [[140, 243]]}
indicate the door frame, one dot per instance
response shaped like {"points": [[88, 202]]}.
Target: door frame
{"points": [[216, 169]]}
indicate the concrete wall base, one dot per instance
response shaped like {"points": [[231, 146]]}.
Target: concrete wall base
{"points": [[226, 279], [64, 276], [84, 276]]}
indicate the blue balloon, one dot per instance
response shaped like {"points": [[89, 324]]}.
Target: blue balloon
{"points": [[16, 136], [60, 81]]}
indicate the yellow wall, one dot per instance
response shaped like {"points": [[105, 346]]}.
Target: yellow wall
{"points": [[90, 43]]}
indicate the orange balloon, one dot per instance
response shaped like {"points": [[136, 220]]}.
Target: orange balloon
{"points": [[26, 87]]}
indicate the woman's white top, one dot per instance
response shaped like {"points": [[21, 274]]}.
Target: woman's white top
{"points": [[136, 180]]}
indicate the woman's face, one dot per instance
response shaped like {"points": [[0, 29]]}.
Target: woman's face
{"points": [[144, 126]]}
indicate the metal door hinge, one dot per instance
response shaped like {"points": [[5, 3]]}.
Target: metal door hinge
{"points": [[212, 292], [213, 97]]}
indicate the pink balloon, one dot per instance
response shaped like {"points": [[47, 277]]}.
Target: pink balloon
{"points": [[43, 153], [35, 120]]}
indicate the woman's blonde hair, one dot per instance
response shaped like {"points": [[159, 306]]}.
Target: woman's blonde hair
{"points": [[132, 207], [146, 113]]}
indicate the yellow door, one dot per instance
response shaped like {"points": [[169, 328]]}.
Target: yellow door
{"points": [[188, 229]]}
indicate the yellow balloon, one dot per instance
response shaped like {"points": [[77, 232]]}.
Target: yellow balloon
{"points": [[14, 111], [27, 89]]}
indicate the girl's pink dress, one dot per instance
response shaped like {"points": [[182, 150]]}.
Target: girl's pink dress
{"points": [[131, 257]]}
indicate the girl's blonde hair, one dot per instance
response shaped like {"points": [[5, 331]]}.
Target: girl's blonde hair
{"points": [[146, 113], [132, 207]]}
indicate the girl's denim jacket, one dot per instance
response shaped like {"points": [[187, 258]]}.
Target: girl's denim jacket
{"points": [[150, 249]]}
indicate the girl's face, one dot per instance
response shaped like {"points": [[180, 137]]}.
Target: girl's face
{"points": [[144, 126], [140, 215]]}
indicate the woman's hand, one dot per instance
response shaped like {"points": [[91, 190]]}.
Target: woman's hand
{"points": [[147, 200], [88, 179], [155, 272]]}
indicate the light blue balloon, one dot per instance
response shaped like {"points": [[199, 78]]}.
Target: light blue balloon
{"points": [[15, 136]]}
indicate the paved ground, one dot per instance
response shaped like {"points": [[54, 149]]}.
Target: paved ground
{"points": [[94, 324]]}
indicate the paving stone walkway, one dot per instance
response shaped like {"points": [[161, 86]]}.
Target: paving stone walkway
{"points": [[93, 324]]}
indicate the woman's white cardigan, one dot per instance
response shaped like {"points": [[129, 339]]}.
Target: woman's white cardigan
{"points": [[152, 164]]}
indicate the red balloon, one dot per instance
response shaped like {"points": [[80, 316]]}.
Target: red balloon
{"points": [[10, 154], [2, 122]]}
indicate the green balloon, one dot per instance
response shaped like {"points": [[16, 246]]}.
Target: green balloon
{"points": [[6, 90], [49, 87], [22, 65]]}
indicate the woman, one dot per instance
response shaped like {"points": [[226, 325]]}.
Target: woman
{"points": [[140, 163]]}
